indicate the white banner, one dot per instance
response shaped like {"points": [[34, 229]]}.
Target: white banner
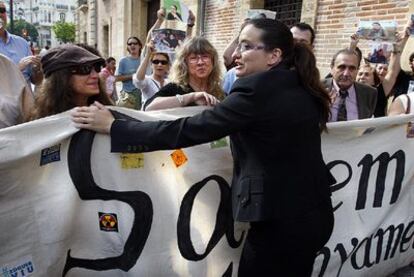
{"points": [[69, 207]]}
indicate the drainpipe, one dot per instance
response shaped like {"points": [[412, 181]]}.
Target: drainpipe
{"points": [[93, 37], [201, 15]]}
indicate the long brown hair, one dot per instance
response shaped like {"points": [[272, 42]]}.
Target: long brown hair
{"points": [[298, 57], [56, 95]]}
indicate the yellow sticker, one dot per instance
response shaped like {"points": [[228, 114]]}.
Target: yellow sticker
{"points": [[179, 157], [132, 160]]}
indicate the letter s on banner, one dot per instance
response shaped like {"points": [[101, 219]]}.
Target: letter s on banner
{"points": [[80, 171]]}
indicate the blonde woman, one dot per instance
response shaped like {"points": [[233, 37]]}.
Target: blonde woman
{"points": [[195, 78]]}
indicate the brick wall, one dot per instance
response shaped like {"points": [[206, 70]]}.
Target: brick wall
{"points": [[222, 22], [337, 20]]}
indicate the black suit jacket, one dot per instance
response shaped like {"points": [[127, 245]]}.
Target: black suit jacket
{"points": [[366, 97], [273, 125]]}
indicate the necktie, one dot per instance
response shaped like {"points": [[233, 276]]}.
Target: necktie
{"points": [[342, 116]]}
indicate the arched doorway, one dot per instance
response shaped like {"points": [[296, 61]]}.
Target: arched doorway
{"points": [[153, 7]]}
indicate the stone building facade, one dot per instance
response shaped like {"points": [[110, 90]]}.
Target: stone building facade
{"points": [[108, 23]]}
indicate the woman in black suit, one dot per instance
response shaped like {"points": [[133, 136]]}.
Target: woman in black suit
{"points": [[274, 115]]}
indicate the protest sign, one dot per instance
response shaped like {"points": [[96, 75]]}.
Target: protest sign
{"points": [[176, 10], [70, 207], [380, 52], [377, 30], [166, 40]]}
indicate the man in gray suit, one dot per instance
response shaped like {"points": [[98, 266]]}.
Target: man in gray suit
{"points": [[350, 100]]}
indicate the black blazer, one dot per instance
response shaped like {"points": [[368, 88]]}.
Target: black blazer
{"points": [[366, 97], [273, 125]]}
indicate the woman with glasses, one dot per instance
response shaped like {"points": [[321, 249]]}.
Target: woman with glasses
{"points": [[274, 115], [195, 78], [130, 96], [71, 79], [150, 84]]}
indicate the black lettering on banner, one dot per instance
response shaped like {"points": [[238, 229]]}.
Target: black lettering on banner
{"points": [[357, 245], [79, 163], [384, 159], [341, 185], [406, 239], [398, 238], [391, 234], [229, 271], [326, 257], [224, 222]]}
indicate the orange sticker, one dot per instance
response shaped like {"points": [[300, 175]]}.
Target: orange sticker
{"points": [[132, 160], [179, 157]]}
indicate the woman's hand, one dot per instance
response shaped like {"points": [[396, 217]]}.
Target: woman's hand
{"points": [[150, 47], [353, 42], [161, 14], [30, 60], [95, 118], [202, 98], [191, 18]]}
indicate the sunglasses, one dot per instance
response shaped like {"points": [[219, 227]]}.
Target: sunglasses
{"points": [[163, 62], [2, 10], [87, 69], [132, 43]]}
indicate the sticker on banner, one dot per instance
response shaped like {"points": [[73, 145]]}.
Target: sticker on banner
{"points": [[219, 143], [179, 157], [21, 267], [50, 155], [108, 222], [132, 160]]}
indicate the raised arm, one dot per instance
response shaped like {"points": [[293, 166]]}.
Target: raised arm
{"points": [[353, 42], [228, 52], [144, 64], [228, 60], [157, 24], [395, 61]]}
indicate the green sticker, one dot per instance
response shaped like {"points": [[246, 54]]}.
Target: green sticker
{"points": [[219, 143]]}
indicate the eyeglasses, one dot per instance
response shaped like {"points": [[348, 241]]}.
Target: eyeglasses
{"points": [[87, 69], [194, 59], [163, 62], [244, 46], [132, 43], [2, 10]]}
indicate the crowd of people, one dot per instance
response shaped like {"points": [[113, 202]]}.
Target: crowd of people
{"points": [[271, 75], [192, 76]]}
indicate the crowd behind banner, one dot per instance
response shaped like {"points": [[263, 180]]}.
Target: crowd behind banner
{"points": [[142, 204], [160, 61], [171, 68]]}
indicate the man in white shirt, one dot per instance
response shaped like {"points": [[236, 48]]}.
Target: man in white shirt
{"points": [[16, 98]]}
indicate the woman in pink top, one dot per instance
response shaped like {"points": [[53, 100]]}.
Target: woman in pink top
{"points": [[108, 78]]}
